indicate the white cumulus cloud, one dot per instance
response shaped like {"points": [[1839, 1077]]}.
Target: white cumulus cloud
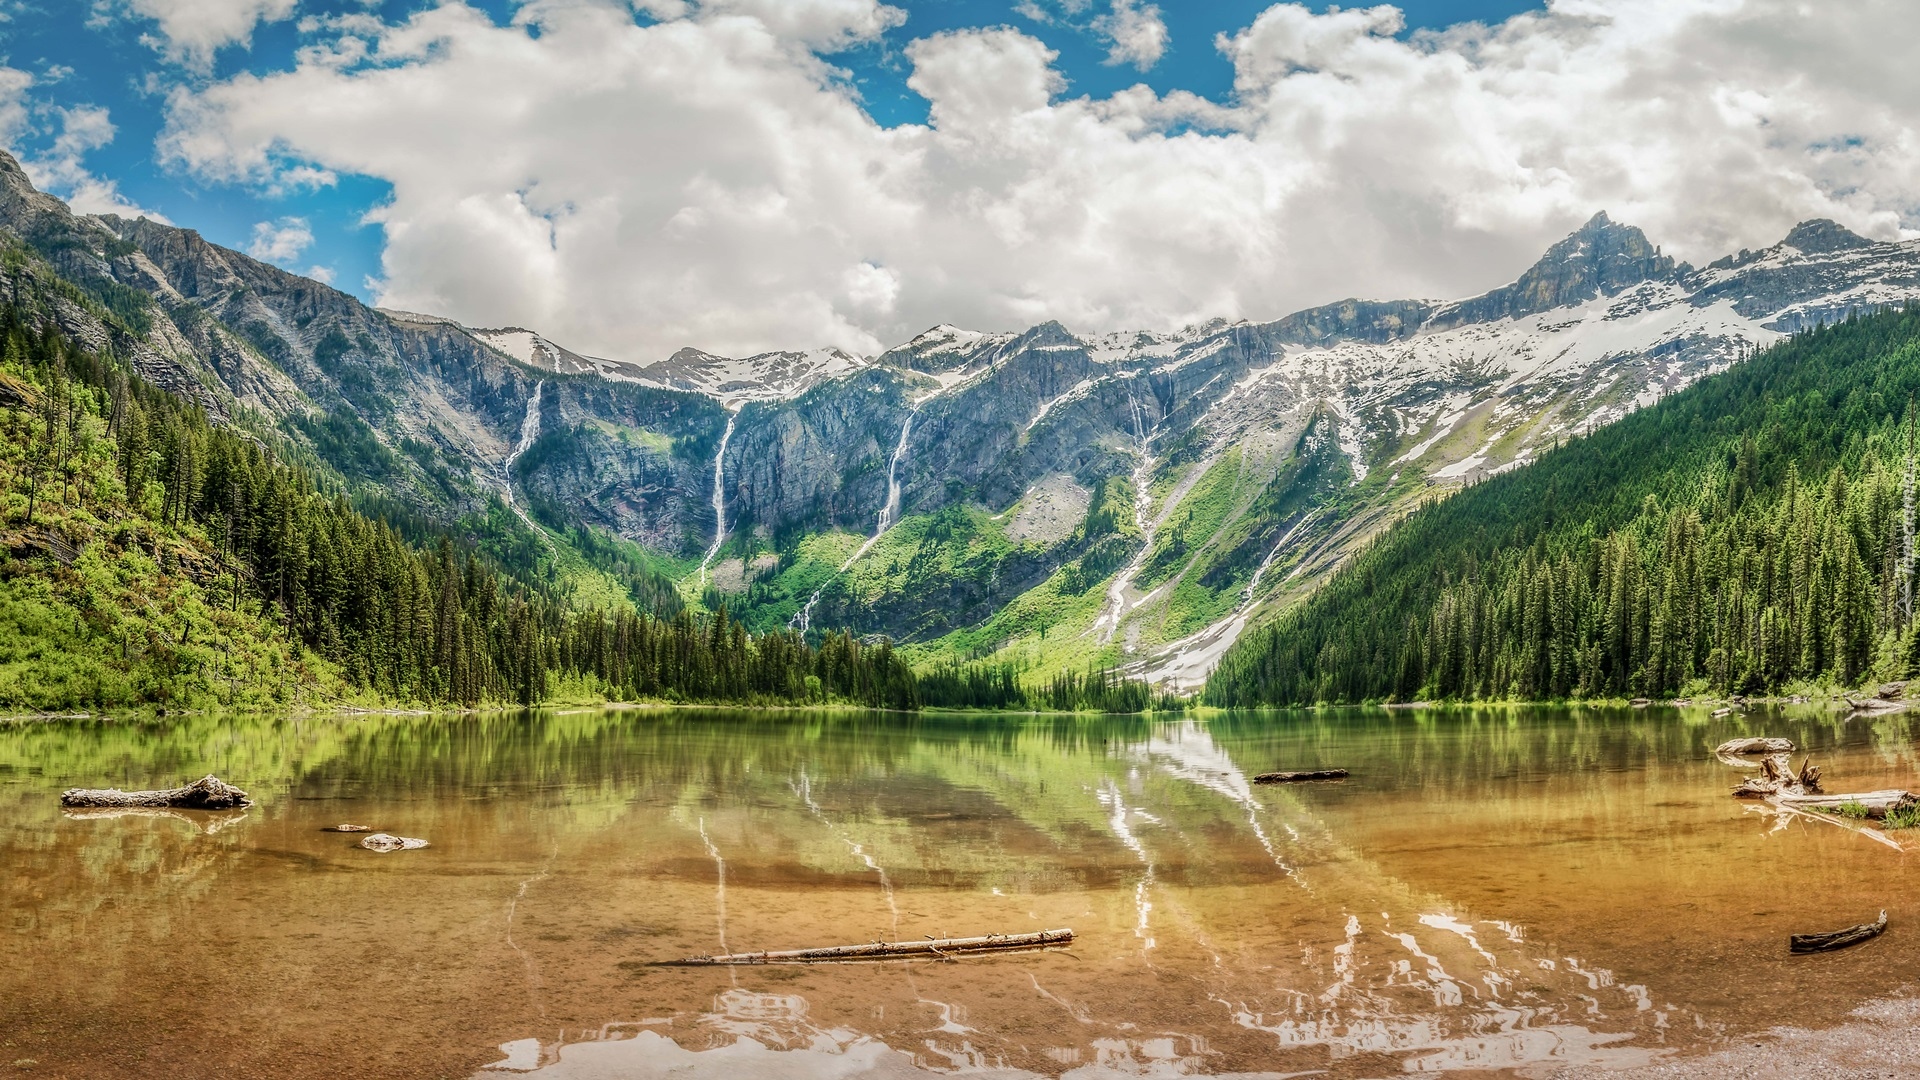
{"points": [[703, 175], [60, 168], [1135, 32], [280, 241], [191, 31]]}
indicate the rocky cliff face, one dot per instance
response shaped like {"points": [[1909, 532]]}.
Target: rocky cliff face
{"points": [[1042, 495]]}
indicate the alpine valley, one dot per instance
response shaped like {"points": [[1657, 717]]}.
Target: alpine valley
{"points": [[1051, 500]]}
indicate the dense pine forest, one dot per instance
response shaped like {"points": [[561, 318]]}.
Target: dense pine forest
{"points": [[1752, 533], [151, 557]]}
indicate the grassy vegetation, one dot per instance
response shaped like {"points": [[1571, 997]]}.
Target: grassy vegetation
{"points": [[104, 603]]}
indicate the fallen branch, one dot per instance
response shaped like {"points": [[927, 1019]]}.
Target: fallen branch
{"points": [[941, 949], [1296, 777], [1875, 803], [1839, 939], [206, 793]]}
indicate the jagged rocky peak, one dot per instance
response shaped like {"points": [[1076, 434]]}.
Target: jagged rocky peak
{"points": [[1601, 258], [1049, 335], [943, 348], [769, 376], [1823, 236], [1371, 321]]}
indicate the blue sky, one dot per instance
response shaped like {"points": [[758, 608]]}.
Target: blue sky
{"points": [[630, 177], [104, 55]]}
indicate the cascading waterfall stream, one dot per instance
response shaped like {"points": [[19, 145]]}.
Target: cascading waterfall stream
{"points": [[719, 497], [1193, 657], [889, 515], [529, 434], [1109, 622]]}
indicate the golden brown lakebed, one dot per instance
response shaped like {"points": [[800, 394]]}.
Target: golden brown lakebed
{"points": [[1500, 891]]}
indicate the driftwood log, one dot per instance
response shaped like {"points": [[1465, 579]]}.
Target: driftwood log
{"points": [[388, 842], [938, 949], [1839, 939], [1737, 747], [1296, 777], [1779, 777], [206, 793], [1876, 803], [348, 828]]}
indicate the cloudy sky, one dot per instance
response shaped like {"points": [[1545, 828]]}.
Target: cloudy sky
{"points": [[632, 176]]}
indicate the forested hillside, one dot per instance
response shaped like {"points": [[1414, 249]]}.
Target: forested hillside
{"points": [[1752, 532], [151, 557]]}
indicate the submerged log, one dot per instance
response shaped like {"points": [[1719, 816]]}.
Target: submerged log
{"points": [[1736, 747], [1296, 777], [206, 793], [939, 949], [347, 828], [1839, 939], [388, 842], [1876, 803]]}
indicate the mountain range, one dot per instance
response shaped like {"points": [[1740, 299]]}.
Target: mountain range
{"points": [[1044, 497]]}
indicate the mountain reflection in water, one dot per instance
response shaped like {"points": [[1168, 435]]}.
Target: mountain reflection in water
{"points": [[1515, 890]]}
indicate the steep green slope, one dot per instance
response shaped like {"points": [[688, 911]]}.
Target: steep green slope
{"points": [[1744, 534], [151, 557]]}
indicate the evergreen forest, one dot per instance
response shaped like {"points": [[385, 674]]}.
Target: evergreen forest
{"points": [[149, 557], [1753, 533]]}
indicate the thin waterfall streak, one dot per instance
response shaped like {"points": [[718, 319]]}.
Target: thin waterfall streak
{"points": [[891, 511], [719, 497], [1109, 621], [529, 434], [889, 516], [805, 790]]}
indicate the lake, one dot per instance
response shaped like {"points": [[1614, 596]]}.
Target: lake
{"points": [[1511, 890]]}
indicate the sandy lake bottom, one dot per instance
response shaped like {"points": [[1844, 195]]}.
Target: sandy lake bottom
{"points": [[1502, 891]]}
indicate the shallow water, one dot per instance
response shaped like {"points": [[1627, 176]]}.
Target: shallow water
{"points": [[1509, 890]]}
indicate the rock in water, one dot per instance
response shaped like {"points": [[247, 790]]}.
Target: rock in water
{"points": [[388, 842], [207, 793]]}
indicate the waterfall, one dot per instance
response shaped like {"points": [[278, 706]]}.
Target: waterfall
{"points": [[529, 434], [719, 498], [889, 516], [891, 511], [1116, 606]]}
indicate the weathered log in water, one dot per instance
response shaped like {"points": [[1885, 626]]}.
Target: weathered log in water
{"points": [[1779, 777], [207, 793], [1876, 803], [1736, 747], [1296, 777], [1838, 939], [388, 842], [939, 949], [347, 828]]}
